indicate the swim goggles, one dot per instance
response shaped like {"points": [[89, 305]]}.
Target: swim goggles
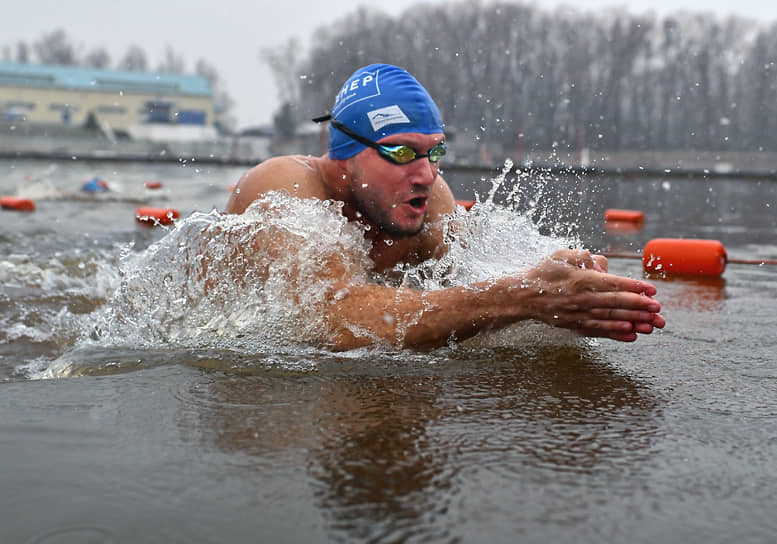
{"points": [[397, 154]]}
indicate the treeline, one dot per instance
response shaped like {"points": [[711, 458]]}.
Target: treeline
{"points": [[529, 78], [56, 48]]}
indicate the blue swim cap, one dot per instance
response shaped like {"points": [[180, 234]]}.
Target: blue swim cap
{"points": [[377, 101]]}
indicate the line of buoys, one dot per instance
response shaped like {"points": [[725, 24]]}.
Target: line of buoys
{"points": [[156, 216], [669, 256], [623, 221], [17, 203], [624, 216], [683, 256], [153, 185]]}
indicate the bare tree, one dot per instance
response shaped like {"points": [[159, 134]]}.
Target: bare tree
{"points": [[55, 48], [173, 63], [517, 75], [134, 60], [223, 102], [22, 53], [283, 62], [98, 58]]}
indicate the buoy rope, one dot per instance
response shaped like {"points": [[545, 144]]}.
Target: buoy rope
{"points": [[759, 262], [752, 261], [621, 255]]}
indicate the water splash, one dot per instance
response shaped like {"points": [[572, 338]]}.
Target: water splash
{"points": [[248, 279], [258, 281]]}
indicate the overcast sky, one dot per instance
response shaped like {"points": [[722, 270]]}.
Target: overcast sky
{"points": [[230, 33]]}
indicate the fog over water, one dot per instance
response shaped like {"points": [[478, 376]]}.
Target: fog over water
{"points": [[231, 34]]}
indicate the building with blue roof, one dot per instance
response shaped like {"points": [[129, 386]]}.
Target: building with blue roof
{"points": [[116, 100]]}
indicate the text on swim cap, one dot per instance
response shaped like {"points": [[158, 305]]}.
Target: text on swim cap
{"points": [[355, 90]]}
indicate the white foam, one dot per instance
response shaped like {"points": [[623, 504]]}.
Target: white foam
{"points": [[252, 282]]}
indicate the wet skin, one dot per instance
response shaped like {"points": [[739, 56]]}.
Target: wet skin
{"points": [[403, 207]]}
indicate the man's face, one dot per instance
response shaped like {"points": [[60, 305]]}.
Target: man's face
{"points": [[394, 197]]}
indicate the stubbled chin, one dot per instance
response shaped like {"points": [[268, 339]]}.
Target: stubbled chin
{"points": [[406, 227]]}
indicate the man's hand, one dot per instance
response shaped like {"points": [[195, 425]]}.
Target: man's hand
{"points": [[574, 291]]}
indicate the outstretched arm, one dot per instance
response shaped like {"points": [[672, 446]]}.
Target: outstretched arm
{"points": [[565, 290], [570, 289]]}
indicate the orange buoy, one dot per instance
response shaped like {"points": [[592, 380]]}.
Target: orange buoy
{"points": [[466, 204], [620, 227], [16, 203], [153, 185], [156, 216], [692, 257], [679, 256], [624, 216]]}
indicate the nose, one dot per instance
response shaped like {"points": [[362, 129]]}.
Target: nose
{"points": [[424, 172]]}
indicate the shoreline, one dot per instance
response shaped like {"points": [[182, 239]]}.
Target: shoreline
{"points": [[603, 169]]}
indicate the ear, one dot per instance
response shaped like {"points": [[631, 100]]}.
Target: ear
{"points": [[341, 165]]}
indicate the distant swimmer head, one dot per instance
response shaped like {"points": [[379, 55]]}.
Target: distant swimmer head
{"points": [[377, 101]]}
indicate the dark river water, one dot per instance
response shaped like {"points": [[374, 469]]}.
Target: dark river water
{"points": [[525, 437]]}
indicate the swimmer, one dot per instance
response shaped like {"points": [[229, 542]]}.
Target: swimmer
{"points": [[386, 142]]}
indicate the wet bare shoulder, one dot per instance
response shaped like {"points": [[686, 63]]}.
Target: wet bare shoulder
{"points": [[296, 175]]}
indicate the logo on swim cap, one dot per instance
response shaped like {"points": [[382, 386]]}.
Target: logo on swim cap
{"points": [[361, 87], [386, 116], [377, 101]]}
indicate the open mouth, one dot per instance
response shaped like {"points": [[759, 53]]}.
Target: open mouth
{"points": [[417, 202]]}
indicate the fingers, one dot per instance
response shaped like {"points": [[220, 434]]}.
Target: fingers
{"points": [[622, 305], [611, 282], [577, 293], [579, 258], [616, 327], [659, 322], [618, 324], [600, 263], [633, 316]]}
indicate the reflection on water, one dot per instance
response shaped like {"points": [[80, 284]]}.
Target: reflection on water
{"points": [[376, 469], [696, 293], [386, 445]]}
